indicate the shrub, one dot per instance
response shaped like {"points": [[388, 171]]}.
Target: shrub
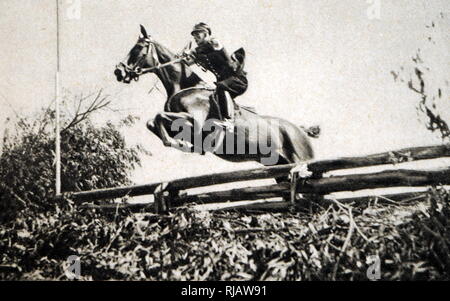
{"points": [[91, 157]]}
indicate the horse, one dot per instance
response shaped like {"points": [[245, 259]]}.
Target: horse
{"points": [[192, 105]]}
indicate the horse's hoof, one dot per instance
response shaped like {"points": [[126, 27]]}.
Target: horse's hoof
{"points": [[167, 144], [151, 125], [183, 146]]}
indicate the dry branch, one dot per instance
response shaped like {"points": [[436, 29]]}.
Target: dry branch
{"points": [[271, 205], [134, 206], [98, 103]]}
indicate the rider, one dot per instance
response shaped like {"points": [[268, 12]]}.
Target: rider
{"points": [[212, 56]]}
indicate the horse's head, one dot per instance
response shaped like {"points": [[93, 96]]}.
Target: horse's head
{"points": [[142, 56]]}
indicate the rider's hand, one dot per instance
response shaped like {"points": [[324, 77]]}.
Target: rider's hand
{"points": [[188, 58], [189, 53], [185, 59]]}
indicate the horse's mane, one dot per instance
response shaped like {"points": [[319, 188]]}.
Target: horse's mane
{"points": [[190, 78]]}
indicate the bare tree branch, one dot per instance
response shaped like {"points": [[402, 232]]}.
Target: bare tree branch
{"points": [[80, 115]]}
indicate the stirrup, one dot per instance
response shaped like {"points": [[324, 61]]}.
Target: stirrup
{"points": [[227, 124]]}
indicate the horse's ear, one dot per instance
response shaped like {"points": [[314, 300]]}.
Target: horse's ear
{"points": [[143, 31]]}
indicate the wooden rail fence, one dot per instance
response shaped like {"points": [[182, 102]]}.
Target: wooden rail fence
{"points": [[167, 194]]}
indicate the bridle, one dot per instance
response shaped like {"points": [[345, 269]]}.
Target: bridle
{"points": [[135, 71]]}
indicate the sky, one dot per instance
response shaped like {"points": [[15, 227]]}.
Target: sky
{"points": [[311, 62]]}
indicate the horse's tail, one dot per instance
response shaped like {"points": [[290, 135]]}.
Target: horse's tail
{"points": [[312, 131]]}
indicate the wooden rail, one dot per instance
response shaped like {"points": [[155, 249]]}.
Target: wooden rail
{"points": [[383, 179], [264, 204], [320, 186]]}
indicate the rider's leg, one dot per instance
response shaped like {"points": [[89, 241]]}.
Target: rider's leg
{"points": [[226, 105], [229, 104], [226, 102]]}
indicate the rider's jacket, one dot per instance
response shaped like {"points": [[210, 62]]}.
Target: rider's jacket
{"points": [[212, 56]]}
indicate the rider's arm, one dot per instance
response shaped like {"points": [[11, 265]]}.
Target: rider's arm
{"points": [[231, 62], [218, 46]]}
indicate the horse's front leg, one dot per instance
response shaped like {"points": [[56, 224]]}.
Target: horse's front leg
{"points": [[153, 128], [159, 129], [166, 123]]}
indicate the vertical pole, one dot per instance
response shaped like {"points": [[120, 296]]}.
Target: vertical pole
{"points": [[58, 139], [57, 129]]}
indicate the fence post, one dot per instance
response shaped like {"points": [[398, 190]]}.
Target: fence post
{"points": [[161, 198]]}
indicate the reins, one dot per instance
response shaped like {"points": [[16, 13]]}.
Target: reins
{"points": [[138, 71]]}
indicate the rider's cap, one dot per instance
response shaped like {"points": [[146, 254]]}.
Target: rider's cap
{"points": [[201, 27]]}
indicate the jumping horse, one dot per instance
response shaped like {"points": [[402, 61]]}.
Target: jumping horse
{"points": [[192, 104]]}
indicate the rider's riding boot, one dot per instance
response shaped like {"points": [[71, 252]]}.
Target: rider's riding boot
{"points": [[227, 109]]}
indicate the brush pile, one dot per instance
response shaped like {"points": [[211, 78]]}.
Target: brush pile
{"points": [[410, 239]]}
